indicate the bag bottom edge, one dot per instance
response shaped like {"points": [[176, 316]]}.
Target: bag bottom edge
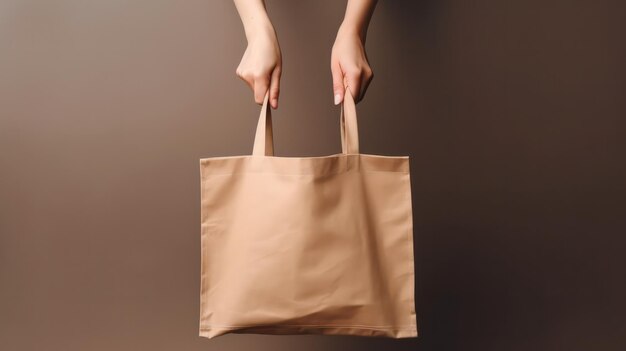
{"points": [[391, 332]]}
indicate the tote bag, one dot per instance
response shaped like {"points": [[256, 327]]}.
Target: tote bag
{"points": [[307, 245]]}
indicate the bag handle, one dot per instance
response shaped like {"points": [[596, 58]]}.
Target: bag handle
{"points": [[264, 140], [348, 124]]}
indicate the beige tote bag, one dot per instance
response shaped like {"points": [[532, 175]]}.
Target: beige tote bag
{"points": [[307, 245]]}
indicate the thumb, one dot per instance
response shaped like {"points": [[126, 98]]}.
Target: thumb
{"points": [[338, 86], [260, 89], [275, 88]]}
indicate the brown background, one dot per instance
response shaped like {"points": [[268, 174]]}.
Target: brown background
{"points": [[511, 111]]}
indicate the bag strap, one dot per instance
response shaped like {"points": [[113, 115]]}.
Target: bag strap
{"points": [[264, 140], [348, 124]]}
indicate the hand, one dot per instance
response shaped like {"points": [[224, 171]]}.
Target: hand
{"points": [[261, 65], [349, 66]]}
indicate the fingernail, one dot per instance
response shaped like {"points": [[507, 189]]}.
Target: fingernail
{"points": [[275, 103], [337, 99]]}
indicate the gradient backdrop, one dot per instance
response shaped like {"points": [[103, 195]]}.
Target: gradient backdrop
{"points": [[512, 113]]}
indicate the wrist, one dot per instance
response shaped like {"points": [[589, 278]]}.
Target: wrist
{"points": [[349, 28], [258, 28]]}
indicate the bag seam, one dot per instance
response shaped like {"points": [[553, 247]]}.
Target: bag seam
{"points": [[209, 327], [208, 174]]}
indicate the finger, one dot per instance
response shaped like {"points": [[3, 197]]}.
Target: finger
{"points": [[353, 80], [338, 86], [366, 79], [261, 85], [275, 87]]}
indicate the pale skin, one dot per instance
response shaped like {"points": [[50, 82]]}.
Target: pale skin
{"points": [[261, 65]]}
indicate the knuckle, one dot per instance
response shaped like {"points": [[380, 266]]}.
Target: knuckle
{"points": [[352, 71]]}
